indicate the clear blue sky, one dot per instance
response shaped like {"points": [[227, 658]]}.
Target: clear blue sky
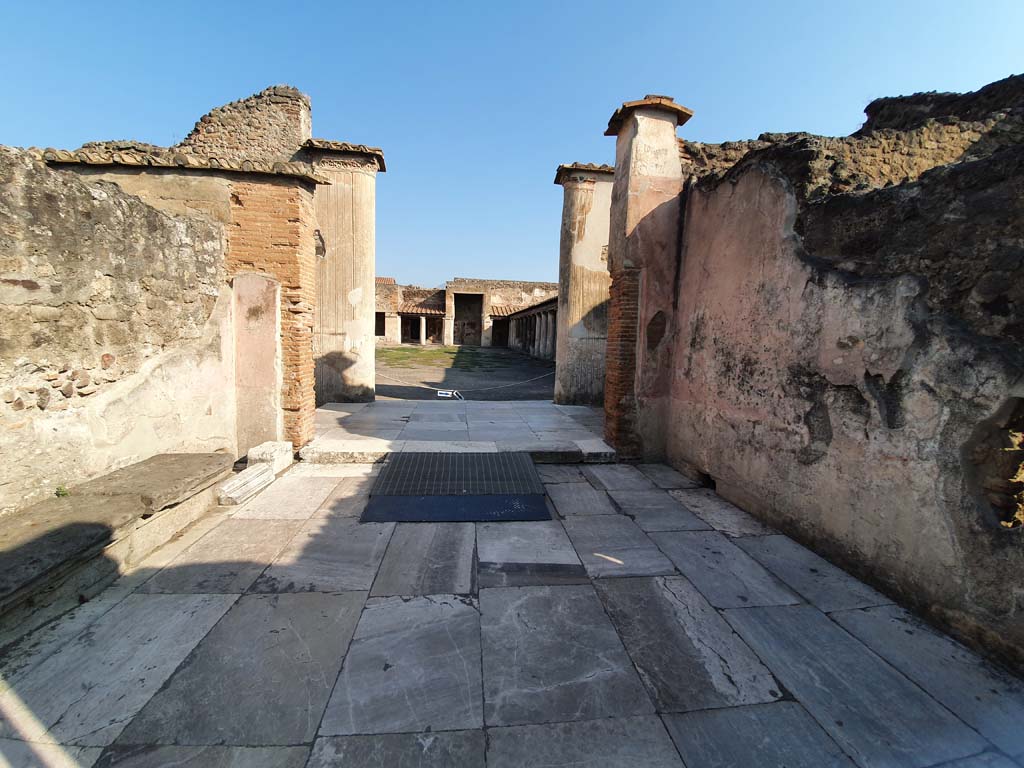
{"points": [[476, 103]]}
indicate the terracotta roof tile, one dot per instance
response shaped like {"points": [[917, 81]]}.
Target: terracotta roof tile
{"points": [[503, 310], [385, 281], [568, 168], [412, 308], [174, 159], [326, 145]]}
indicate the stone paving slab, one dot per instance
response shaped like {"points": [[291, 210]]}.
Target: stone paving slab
{"points": [[571, 499], [305, 469], [984, 760], [328, 555], [780, 735], [533, 542], [720, 514], [822, 584], [85, 693], [655, 510], [450, 446], [526, 554], [550, 654], [687, 655], [349, 451], [629, 742], [413, 666], [595, 450], [445, 749], [226, 560], [346, 500], [427, 433], [428, 559], [726, 575], [618, 477], [155, 756], [559, 473], [288, 498], [872, 711], [389, 430], [438, 417], [263, 675], [15, 754], [665, 477], [980, 694], [613, 545]]}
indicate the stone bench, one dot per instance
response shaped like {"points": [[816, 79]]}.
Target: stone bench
{"points": [[64, 550]]}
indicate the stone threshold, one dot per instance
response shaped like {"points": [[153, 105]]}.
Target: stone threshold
{"points": [[371, 450]]}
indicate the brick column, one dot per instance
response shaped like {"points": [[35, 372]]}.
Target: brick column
{"points": [[272, 232], [643, 247]]}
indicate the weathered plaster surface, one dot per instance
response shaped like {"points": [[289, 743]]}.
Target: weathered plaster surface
{"points": [[343, 333], [117, 338], [583, 288], [837, 404]]}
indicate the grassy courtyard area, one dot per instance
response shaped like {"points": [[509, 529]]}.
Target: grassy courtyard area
{"points": [[434, 356]]}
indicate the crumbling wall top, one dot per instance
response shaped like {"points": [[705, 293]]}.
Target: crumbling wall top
{"points": [[269, 126], [97, 153], [908, 112]]}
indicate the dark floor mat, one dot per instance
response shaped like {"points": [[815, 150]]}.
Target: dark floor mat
{"points": [[457, 487]]}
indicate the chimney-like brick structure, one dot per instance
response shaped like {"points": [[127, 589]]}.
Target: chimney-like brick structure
{"points": [[644, 226]]}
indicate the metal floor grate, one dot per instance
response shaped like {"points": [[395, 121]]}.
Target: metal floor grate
{"points": [[457, 474]]}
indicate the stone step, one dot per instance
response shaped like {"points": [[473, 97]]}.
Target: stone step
{"points": [[373, 450]]}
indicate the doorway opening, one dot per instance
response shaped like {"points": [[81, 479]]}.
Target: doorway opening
{"points": [[469, 315]]}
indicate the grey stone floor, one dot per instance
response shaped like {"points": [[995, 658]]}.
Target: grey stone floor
{"points": [[357, 432], [650, 624]]}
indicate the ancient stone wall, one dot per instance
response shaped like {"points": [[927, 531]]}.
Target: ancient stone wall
{"points": [[116, 325], [268, 126], [270, 229], [496, 293], [845, 353]]}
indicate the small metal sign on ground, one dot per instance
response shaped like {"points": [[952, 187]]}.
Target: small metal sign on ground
{"points": [[452, 393]]}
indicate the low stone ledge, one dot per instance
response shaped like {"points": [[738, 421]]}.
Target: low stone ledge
{"points": [[63, 550]]}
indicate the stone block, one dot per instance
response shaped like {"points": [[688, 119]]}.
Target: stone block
{"points": [[279, 454], [726, 575], [550, 654], [445, 749], [625, 741], [838, 680], [246, 484], [413, 666], [687, 655], [263, 675], [779, 734]]}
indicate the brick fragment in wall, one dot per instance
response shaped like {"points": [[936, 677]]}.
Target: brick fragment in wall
{"points": [[272, 232]]}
